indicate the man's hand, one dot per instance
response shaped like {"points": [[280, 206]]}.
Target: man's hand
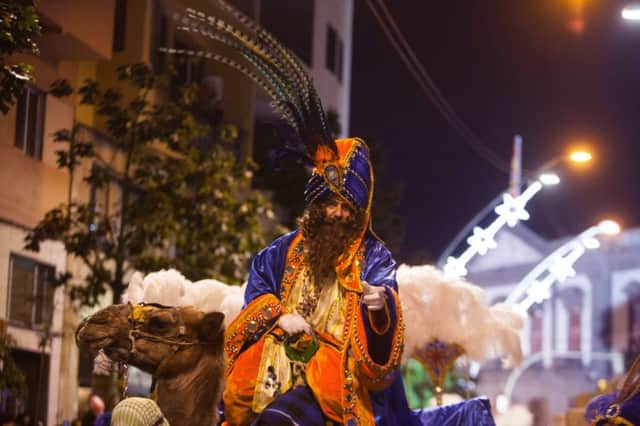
{"points": [[294, 324], [373, 296]]}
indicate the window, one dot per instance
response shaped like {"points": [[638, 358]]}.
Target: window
{"points": [[334, 53], [30, 122], [104, 198], [159, 34], [572, 299], [189, 69], [30, 292], [291, 22], [35, 366], [633, 345], [575, 329], [119, 25], [536, 329]]}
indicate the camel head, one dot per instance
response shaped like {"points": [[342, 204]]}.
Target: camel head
{"points": [[163, 341]]}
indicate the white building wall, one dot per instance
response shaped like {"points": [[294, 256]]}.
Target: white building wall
{"points": [[333, 93], [51, 253]]}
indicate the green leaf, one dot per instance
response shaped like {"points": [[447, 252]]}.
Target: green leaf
{"points": [[89, 92], [62, 135], [60, 88]]}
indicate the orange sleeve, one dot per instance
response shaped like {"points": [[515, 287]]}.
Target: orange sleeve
{"points": [[254, 320]]}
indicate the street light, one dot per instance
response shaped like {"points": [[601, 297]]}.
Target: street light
{"points": [[572, 157], [609, 227], [549, 179], [631, 12], [580, 156], [510, 211]]}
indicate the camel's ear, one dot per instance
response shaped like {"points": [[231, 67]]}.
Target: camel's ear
{"points": [[212, 326]]}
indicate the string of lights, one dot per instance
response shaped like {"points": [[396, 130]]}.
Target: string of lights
{"points": [[510, 212], [535, 287]]}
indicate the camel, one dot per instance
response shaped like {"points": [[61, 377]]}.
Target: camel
{"points": [[182, 347]]}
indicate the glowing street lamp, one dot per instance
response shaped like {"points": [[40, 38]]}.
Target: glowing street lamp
{"points": [[609, 227], [580, 156], [572, 157], [549, 179], [631, 12]]}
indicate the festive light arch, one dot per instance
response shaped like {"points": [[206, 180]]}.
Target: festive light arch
{"points": [[535, 287], [510, 212]]}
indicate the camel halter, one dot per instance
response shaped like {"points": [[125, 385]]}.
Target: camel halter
{"points": [[136, 319]]}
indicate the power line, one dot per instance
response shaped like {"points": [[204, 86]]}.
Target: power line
{"points": [[430, 89]]}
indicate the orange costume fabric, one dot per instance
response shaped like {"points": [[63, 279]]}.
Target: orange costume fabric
{"points": [[342, 371], [359, 351]]}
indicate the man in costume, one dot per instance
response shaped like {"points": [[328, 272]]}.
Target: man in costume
{"points": [[320, 338]]}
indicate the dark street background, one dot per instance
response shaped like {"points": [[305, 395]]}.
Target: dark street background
{"points": [[506, 67]]}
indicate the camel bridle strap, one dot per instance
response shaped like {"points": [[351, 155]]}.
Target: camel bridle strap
{"points": [[177, 343], [134, 334]]}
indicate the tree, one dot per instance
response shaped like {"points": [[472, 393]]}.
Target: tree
{"points": [[19, 27], [178, 205], [11, 378]]}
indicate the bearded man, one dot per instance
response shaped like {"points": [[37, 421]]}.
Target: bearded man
{"points": [[320, 338]]}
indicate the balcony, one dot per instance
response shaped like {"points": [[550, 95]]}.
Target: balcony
{"points": [[76, 29]]}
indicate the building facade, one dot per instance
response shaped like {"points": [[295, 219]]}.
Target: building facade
{"points": [[320, 34], [89, 40], [587, 330], [75, 34]]}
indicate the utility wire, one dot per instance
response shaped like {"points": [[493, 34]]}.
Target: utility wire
{"points": [[428, 86]]}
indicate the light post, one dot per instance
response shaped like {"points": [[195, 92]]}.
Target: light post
{"points": [[573, 157], [510, 212]]}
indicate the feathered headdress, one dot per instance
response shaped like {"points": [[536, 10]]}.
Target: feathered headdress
{"points": [[272, 67]]}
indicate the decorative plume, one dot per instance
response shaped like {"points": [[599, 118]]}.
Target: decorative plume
{"points": [[452, 310], [267, 63], [171, 288]]}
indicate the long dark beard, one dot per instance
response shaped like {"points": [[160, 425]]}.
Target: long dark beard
{"points": [[325, 240]]}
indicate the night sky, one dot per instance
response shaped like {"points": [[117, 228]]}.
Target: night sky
{"points": [[506, 67]]}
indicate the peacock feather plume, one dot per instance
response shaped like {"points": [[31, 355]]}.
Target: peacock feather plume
{"points": [[268, 64]]}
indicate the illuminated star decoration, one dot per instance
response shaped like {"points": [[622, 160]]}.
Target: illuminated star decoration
{"points": [[455, 267], [538, 292], [482, 240], [562, 268], [512, 209]]}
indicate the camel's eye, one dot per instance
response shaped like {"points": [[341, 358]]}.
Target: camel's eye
{"points": [[159, 322]]}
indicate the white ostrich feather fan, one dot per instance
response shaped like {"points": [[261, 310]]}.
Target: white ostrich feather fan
{"points": [[453, 311], [171, 288]]}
